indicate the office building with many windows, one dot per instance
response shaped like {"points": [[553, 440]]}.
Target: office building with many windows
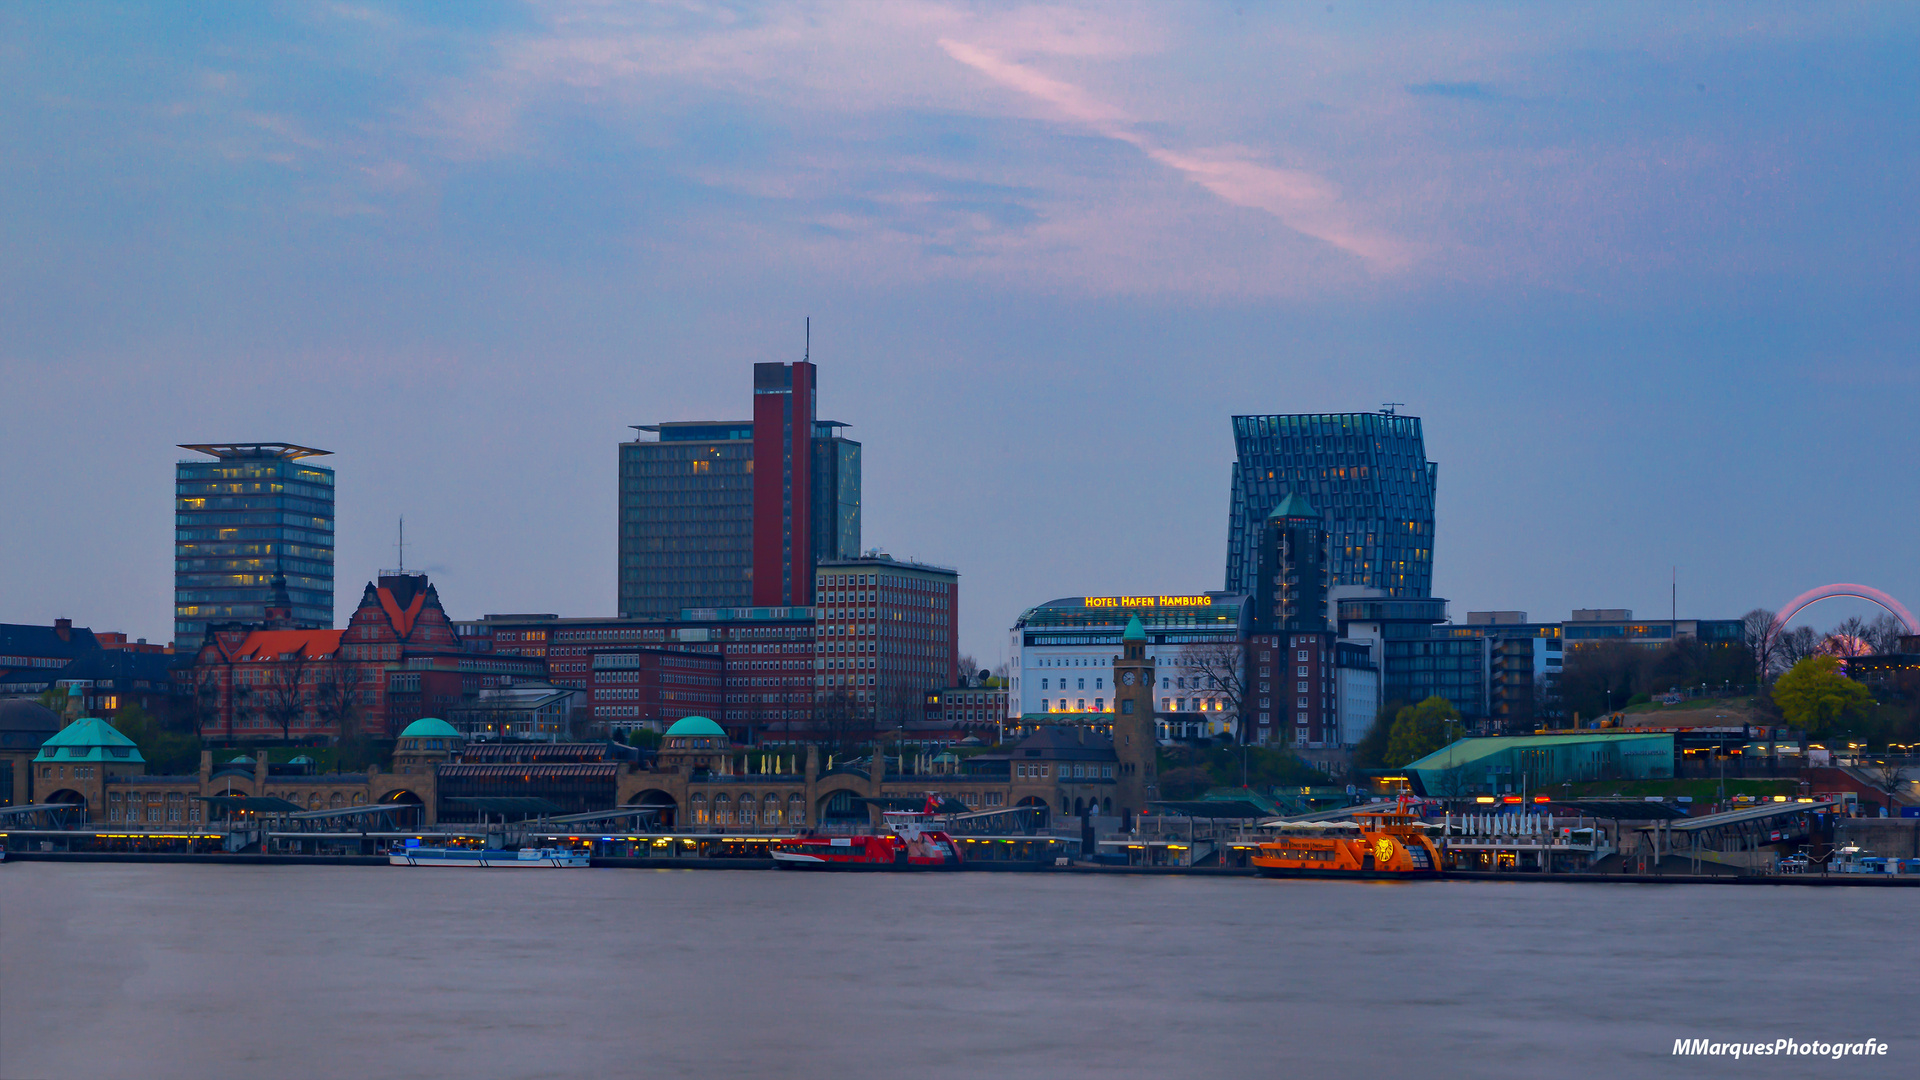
{"points": [[255, 510], [733, 514], [1368, 476]]}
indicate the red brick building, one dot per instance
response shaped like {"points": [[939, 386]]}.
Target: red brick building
{"points": [[397, 660]]}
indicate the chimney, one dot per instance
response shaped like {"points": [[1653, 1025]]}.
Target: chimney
{"points": [[63, 629]]}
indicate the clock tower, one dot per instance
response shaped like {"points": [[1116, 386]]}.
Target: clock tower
{"points": [[1136, 742]]}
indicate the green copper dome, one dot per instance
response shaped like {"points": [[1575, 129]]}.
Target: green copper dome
{"points": [[428, 727], [696, 725], [1136, 631]]}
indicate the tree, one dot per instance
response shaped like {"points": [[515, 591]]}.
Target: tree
{"points": [[1371, 751], [1816, 698], [1792, 646], [1849, 639], [1419, 730], [1883, 634], [1219, 668], [336, 700], [282, 698], [1756, 628], [167, 753], [1603, 676], [1889, 777], [843, 724]]}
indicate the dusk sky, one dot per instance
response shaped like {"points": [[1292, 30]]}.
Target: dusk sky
{"points": [[1648, 273]]}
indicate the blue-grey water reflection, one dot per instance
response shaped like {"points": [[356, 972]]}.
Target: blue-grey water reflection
{"points": [[116, 971]]}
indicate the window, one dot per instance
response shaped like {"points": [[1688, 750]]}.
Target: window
{"points": [[1082, 686], [1106, 772], [1301, 655]]}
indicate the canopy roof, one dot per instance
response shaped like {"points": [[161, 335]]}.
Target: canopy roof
{"points": [[1293, 506]]}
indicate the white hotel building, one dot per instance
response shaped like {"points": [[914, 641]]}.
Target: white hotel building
{"points": [[1064, 650]]}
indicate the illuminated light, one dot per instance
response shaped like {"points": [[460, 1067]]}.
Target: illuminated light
{"points": [[1509, 798], [1783, 798], [1541, 798], [1484, 799]]}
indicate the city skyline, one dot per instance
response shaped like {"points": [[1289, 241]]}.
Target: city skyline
{"points": [[1639, 277]]}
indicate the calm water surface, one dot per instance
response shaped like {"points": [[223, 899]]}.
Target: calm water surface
{"points": [[127, 972]]}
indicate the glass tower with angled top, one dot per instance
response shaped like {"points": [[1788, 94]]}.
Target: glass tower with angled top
{"points": [[256, 509], [1368, 476]]}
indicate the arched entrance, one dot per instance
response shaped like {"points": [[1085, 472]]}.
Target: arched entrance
{"points": [[71, 798], [842, 807], [410, 812], [669, 810]]}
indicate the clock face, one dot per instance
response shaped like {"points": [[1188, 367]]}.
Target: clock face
{"points": [[1127, 677]]}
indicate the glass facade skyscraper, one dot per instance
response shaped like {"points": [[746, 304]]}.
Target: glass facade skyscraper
{"points": [[255, 510], [1368, 476], [687, 514]]}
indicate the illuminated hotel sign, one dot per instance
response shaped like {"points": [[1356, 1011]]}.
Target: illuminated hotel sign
{"points": [[1148, 601]]}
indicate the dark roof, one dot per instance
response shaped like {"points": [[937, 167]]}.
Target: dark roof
{"points": [[1059, 741], [19, 715], [20, 639], [117, 664]]}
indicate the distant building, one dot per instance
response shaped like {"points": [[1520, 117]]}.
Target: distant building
{"points": [[1368, 474], [1064, 652], [397, 661], [1469, 768], [980, 707], [767, 672], [1292, 696], [257, 509], [97, 673], [533, 710], [887, 630], [731, 514]]}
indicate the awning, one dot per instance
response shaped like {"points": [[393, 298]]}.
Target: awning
{"points": [[252, 804], [506, 804]]}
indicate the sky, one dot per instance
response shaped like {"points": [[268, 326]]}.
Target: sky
{"points": [[1648, 274]]}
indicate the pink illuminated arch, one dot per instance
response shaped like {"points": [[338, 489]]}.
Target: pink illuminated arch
{"points": [[1858, 592]]}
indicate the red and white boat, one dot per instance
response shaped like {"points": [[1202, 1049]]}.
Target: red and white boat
{"points": [[908, 844]]}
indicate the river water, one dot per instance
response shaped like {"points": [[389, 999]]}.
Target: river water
{"points": [[131, 972]]}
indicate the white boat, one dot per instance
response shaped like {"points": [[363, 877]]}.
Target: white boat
{"points": [[525, 858]]}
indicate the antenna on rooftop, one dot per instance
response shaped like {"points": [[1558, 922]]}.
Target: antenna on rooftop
{"points": [[402, 545], [808, 355], [1389, 408]]}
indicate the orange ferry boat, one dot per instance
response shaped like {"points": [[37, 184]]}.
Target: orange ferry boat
{"points": [[1375, 844]]}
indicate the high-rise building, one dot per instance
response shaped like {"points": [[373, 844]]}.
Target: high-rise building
{"points": [[887, 631], [1367, 474], [731, 514], [1290, 653], [257, 509]]}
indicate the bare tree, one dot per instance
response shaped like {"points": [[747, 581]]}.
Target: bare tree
{"points": [[336, 700], [1883, 634], [283, 696], [1219, 668], [1792, 646], [1849, 639], [842, 723], [1890, 777], [1758, 629]]}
